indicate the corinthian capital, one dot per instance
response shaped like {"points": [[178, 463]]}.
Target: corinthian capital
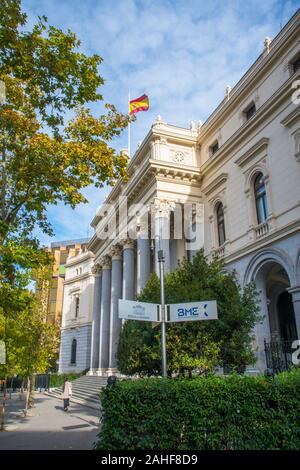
{"points": [[162, 207], [116, 252], [127, 243], [105, 262], [96, 269]]}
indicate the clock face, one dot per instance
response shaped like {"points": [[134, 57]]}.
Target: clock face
{"points": [[178, 157]]}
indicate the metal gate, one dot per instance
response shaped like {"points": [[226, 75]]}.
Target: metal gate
{"points": [[279, 355]]}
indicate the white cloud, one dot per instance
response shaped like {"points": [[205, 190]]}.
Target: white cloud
{"points": [[182, 53]]}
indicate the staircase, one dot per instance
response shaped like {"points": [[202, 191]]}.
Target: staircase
{"points": [[85, 390]]}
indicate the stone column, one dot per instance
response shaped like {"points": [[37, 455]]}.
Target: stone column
{"points": [[194, 218], [116, 294], [128, 269], [143, 261], [94, 364], [161, 212], [104, 316], [295, 292], [262, 330]]}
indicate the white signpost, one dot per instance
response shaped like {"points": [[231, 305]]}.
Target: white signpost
{"points": [[162, 314], [143, 311], [192, 311]]}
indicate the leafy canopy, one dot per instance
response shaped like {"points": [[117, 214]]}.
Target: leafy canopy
{"points": [[45, 158]]}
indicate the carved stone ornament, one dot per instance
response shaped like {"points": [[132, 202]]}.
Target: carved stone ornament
{"points": [[105, 262], [96, 269], [127, 243], [116, 251], [178, 157], [162, 208]]}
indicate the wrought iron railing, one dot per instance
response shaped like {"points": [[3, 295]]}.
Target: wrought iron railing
{"points": [[279, 355]]}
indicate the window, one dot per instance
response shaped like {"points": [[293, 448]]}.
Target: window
{"points": [[250, 111], [214, 148], [73, 351], [220, 224], [76, 307], [260, 198], [296, 65]]}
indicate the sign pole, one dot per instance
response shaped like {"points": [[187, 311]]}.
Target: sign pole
{"points": [[161, 261]]}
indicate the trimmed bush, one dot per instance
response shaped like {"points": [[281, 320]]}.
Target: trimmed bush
{"points": [[235, 412]]}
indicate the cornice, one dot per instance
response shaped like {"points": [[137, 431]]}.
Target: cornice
{"points": [[253, 74], [229, 148], [289, 120], [75, 326], [261, 145], [277, 234], [221, 179], [184, 171], [79, 258], [81, 277]]}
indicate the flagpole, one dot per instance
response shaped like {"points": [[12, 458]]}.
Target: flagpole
{"points": [[129, 125]]}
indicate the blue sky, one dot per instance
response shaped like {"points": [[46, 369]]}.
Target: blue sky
{"points": [[181, 53]]}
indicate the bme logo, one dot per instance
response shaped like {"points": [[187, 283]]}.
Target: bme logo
{"points": [[188, 312]]}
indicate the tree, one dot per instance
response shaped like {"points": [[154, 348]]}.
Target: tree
{"points": [[31, 343], [44, 158], [194, 345]]}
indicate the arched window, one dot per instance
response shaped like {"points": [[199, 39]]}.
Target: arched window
{"points": [[260, 198], [73, 351], [221, 224]]}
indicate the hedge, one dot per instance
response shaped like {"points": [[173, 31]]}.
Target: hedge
{"points": [[235, 412]]}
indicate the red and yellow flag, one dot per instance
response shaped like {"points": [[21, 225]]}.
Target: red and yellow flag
{"points": [[139, 104]]}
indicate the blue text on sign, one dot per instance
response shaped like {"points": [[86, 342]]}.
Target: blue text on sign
{"points": [[188, 312]]}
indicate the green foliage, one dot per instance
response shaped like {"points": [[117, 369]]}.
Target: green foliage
{"points": [[45, 159], [209, 413], [194, 345], [31, 343]]}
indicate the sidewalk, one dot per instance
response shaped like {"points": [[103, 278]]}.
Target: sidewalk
{"points": [[48, 427]]}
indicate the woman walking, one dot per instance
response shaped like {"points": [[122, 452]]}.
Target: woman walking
{"points": [[66, 394]]}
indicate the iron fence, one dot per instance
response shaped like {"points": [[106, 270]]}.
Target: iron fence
{"points": [[279, 355]]}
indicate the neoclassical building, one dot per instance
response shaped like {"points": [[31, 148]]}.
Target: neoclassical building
{"points": [[239, 175]]}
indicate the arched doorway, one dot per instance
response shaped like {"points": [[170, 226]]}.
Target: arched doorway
{"points": [[280, 304], [277, 331]]}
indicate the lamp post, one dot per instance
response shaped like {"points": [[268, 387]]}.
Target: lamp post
{"points": [[161, 260]]}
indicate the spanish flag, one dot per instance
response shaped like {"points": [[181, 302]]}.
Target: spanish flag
{"points": [[139, 104]]}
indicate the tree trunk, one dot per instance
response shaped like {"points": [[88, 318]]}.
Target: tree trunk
{"points": [[3, 406], [27, 394], [11, 386], [31, 391]]}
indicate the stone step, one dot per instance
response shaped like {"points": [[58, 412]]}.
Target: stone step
{"points": [[86, 397], [88, 403], [85, 390]]}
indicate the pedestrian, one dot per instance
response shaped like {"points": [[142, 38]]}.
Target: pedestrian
{"points": [[66, 394]]}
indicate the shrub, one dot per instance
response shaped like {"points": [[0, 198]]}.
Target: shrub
{"points": [[199, 345], [235, 412]]}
